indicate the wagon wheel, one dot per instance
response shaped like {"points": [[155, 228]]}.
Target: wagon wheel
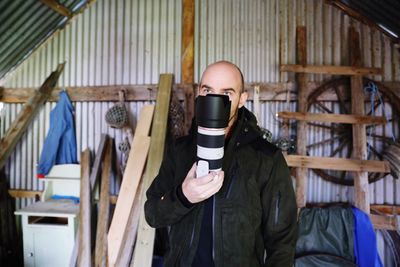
{"points": [[335, 140]]}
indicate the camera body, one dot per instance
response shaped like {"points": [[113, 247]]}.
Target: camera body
{"points": [[212, 115]]}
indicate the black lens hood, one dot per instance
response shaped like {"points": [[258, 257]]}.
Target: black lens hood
{"points": [[212, 111]]}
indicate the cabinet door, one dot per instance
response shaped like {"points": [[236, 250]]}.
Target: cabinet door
{"points": [[52, 246]]}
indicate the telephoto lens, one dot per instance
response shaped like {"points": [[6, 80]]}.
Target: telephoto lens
{"points": [[212, 115]]}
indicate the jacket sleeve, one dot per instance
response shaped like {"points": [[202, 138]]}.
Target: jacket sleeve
{"points": [[163, 206], [279, 215]]}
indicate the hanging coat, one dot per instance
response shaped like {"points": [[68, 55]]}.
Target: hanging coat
{"points": [[60, 144]]}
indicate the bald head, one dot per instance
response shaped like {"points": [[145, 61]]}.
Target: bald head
{"points": [[224, 70], [224, 78]]}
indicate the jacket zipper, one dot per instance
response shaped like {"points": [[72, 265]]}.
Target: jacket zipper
{"points": [[213, 229], [234, 173], [277, 203]]}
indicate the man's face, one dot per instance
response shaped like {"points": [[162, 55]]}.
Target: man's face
{"points": [[224, 79]]}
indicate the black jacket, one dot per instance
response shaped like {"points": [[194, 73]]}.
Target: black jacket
{"points": [[254, 212]]}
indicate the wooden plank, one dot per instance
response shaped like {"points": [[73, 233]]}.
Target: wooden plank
{"points": [[333, 118], [132, 229], [84, 252], [100, 258], [94, 174], [268, 92], [17, 193], [330, 69], [96, 93], [26, 115], [93, 179], [301, 79], [187, 55], [145, 240], [57, 7], [386, 209], [361, 185], [385, 222], [340, 164], [133, 173]]}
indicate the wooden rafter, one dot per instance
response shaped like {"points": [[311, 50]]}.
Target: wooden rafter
{"points": [[26, 115], [57, 7]]}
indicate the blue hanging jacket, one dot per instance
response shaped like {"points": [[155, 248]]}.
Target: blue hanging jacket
{"points": [[365, 249], [60, 144]]}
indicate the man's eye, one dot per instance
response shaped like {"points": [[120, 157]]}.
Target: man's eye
{"points": [[206, 91], [228, 93]]}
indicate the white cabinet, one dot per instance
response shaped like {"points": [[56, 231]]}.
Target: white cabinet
{"points": [[49, 230], [49, 227]]}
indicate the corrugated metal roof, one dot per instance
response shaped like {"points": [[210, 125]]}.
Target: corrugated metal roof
{"points": [[383, 14], [25, 24]]}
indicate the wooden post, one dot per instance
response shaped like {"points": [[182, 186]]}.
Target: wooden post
{"points": [[301, 79], [187, 55], [26, 115], [187, 58], [84, 253], [361, 186], [104, 207], [143, 253]]}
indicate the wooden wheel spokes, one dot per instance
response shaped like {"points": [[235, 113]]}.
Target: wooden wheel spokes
{"points": [[338, 137]]}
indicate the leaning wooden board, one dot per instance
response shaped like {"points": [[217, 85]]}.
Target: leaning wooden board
{"points": [[143, 253], [132, 175]]}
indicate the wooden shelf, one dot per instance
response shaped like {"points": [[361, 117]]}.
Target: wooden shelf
{"points": [[333, 118], [330, 69], [339, 164]]}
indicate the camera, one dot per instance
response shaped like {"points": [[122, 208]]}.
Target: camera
{"points": [[212, 115]]}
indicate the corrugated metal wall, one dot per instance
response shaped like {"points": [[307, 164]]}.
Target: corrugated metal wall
{"points": [[112, 42], [133, 41], [258, 35]]}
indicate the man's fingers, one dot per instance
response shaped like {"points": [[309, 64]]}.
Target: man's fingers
{"points": [[192, 171]]}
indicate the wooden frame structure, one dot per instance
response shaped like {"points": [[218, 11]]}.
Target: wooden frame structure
{"points": [[358, 164]]}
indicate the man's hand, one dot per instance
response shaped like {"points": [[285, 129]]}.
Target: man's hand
{"points": [[199, 189]]}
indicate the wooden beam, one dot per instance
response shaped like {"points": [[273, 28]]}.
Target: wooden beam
{"points": [[17, 193], [385, 222], [96, 93], [187, 56], [84, 252], [57, 7], [100, 257], [340, 164], [143, 253], [184, 92], [332, 118], [132, 175], [26, 115], [301, 80], [386, 209], [361, 185], [330, 69]]}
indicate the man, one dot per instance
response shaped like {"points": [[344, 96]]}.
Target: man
{"points": [[244, 215]]}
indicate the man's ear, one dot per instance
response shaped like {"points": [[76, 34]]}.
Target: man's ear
{"points": [[243, 99]]}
